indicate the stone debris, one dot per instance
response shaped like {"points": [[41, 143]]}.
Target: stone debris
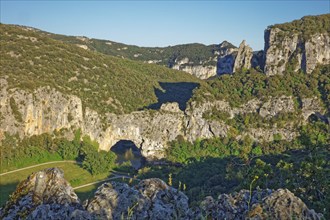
{"points": [[47, 195]]}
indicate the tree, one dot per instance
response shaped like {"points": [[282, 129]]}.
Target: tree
{"points": [[68, 150]]}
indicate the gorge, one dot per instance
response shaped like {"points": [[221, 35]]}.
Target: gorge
{"points": [[222, 119]]}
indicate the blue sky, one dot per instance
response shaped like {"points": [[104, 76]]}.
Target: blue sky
{"points": [[161, 23]]}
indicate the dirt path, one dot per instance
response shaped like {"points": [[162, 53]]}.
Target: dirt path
{"points": [[100, 181], [25, 168], [116, 174]]}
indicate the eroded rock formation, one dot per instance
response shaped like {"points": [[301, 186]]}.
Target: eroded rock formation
{"points": [[47, 195], [202, 71], [47, 110], [44, 195], [150, 199], [244, 57], [283, 49], [262, 204]]}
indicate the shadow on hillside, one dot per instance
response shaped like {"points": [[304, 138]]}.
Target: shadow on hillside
{"points": [[5, 191], [179, 92], [213, 176]]}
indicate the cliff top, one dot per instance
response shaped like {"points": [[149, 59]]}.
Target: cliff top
{"points": [[307, 25]]}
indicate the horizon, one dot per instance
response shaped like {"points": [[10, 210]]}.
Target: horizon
{"points": [[160, 24]]}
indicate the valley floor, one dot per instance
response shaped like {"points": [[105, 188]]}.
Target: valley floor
{"points": [[81, 180]]}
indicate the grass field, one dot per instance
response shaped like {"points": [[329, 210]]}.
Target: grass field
{"points": [[74, 173]]}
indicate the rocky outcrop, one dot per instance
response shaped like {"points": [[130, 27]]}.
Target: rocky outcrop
{"points": [[44, 110], [47, 110], [150, 199], [170, 107], [256, 134], [44, 195], [226, 60], [47, 195], [149, 130], [317, 51], [276, 105], [200, 71], [284, 48], [237, 59], [312, 106], [243, 58], [261, 204]]}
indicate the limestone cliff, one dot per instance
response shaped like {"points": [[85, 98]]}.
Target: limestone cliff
{"points": [[48, 110], [243, 58], [47, 195], [219, 62], [202, 71], [301, 44]]}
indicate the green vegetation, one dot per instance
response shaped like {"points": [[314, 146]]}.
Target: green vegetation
{"points": [[196, 53], [83, 163], [241, 87], [245, 121], [73, 173], [307, 26], [31, 59], [91, 165], [94, 161], [224, 165], [17, 153]]}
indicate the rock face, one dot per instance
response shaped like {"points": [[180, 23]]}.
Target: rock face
{"points": [[44, 195], [275, 105], [47, 110], [150, 199], [263, 204], [200, 71], [282, 49], [236, 59], [221, 61], [311, 106], [225, 60], [170, 107], [316, 51], [44, 110], [225, 64], [299, 48], [47, 195], [244, 57]]}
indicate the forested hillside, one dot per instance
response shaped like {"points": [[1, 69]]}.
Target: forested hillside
{"points": [[195, 52], [74, 98], [31, 59]]}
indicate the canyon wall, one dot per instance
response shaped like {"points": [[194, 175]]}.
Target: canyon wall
{"points": [[46, 110]]}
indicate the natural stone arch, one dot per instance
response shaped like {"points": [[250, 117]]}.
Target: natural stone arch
{"points": [[317, 116], [126, 150], [312, 117], [123, 145]]}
